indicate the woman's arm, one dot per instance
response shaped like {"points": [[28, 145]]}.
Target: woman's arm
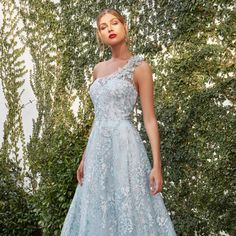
{"points": [[143, 76], [86, 146]]}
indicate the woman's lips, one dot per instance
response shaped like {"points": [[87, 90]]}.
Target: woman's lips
{"points": [[112, 36]]}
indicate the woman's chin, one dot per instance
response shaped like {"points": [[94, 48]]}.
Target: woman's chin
{"points": [[115, 43]]}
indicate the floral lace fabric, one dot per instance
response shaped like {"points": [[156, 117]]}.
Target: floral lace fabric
{"points": [[115, 198]]}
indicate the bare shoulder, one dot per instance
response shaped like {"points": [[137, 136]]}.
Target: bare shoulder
{"points": [[95, 70], [97, 67], [143, 71]]}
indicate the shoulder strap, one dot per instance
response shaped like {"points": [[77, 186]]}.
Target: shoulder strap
{"points": [[137, 59], [127, 73]]}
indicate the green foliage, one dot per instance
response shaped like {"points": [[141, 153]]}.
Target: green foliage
{"points": [[16, 206], [197, 129], [191, 47]]}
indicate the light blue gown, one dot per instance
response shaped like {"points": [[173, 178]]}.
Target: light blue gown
{"points": [[115, 198]]}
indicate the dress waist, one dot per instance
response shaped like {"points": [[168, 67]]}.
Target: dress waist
{"points": [[118, 118], [111, 123]]}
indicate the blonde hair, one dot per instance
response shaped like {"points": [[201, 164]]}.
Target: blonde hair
{"points": [[119, 16]]}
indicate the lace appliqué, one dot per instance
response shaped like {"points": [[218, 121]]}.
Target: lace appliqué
{"points": [[128, 72], [125, 72]]}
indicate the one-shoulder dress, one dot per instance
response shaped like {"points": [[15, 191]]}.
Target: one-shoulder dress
{"points": [[115, 198]]}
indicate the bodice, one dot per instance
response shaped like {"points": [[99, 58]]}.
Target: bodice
{"points": [[114, 95]]}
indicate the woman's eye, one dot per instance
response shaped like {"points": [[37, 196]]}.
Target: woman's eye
{"points": [[114, 23]]}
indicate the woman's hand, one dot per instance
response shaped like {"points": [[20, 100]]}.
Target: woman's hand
{"points": [[156, 181], [80, 172]]}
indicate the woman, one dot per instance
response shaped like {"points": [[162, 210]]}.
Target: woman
{"points": [[118, 191]]}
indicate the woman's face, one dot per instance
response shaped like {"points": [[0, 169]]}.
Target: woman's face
{"points": [[108, 25]]}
